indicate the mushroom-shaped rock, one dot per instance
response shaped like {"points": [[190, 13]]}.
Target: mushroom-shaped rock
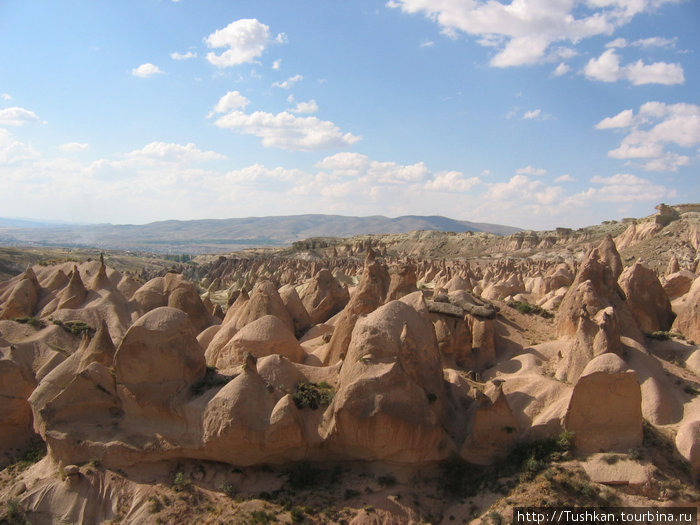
{"points": [[323, 296], [646, 298], [605, 410], [265, 336], [159, 357], [391, 398]]}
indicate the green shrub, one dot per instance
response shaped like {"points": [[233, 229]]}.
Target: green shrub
{"points": [[527, 308], [311, 395], [181, 483], [31, 321], [298, 514], [262, 517], [228, 489], [75, 327], [303, 475]]}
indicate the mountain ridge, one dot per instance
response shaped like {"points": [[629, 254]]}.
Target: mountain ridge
{"points": [[219, 235]]}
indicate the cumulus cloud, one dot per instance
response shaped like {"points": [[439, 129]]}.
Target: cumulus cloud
{"points": [[74, 147], [529, 170], [288, 131], [607, 68], [183, 56], [172, 153], [564, 178], [522, 32], [231, 100], [146, 70], [654, 128], [624, 187], [13, 151], [16, 116], [451, 181], [561, 70], [244, 41], [287, 84], [277, 64], [305, 107], [6, 96]]}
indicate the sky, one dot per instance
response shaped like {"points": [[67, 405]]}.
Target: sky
{"points": [[531, 113]]}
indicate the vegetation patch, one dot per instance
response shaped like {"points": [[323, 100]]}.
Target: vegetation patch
{"points": [[527, 308], [28, 458], [211, 379], [75, 327], [31, 321], [312, 395]]}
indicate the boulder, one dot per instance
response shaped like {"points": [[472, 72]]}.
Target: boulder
{"points": [[323, 296]]}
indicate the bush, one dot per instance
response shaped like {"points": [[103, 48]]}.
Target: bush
{"points": [[527, 308], [31, 321], [303, 475], [311, 395], [75, 327], [181, 483]]}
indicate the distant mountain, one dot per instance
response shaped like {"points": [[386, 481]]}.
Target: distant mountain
{"points": [[221, 235]]}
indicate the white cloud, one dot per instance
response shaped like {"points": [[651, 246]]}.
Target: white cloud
{"points": [[564, 178], [522, 31], [656, 73], [618, 42], [287, 131], [606, 68], [532, 114], [656, 126], [427, 43], [624, 187], [287, 84], [13, 151], [358, 166], [74, 147], [6, 96], [529, 170], [450, 181], [561, 69], [623, 119], [656, 41], [146, 70], [164, 152], [276, 64], [306, 107], [231, 100], [16, 116], [245, 40], [183, 56]]}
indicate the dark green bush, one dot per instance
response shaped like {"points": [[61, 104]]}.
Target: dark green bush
{"points": [[311, 395], [31, 321]]}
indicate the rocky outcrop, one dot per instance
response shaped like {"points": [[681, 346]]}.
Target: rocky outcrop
{"points": [[605, 409], [323, 296], [646, 298]]}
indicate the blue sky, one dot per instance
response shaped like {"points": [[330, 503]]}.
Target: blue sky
{"points": [[533, 113]]}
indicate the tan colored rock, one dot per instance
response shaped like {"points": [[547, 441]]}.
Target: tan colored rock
{"points": [[402, 281], [263, 300], [605, 411], [678, 284], [22, 300], [300, 317], [262, 337], [688, 443], [688, 309], [391, 395], [494, 429], [186, 298], [323, 296], [158, 358], [369, 294], [646, 298]]}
